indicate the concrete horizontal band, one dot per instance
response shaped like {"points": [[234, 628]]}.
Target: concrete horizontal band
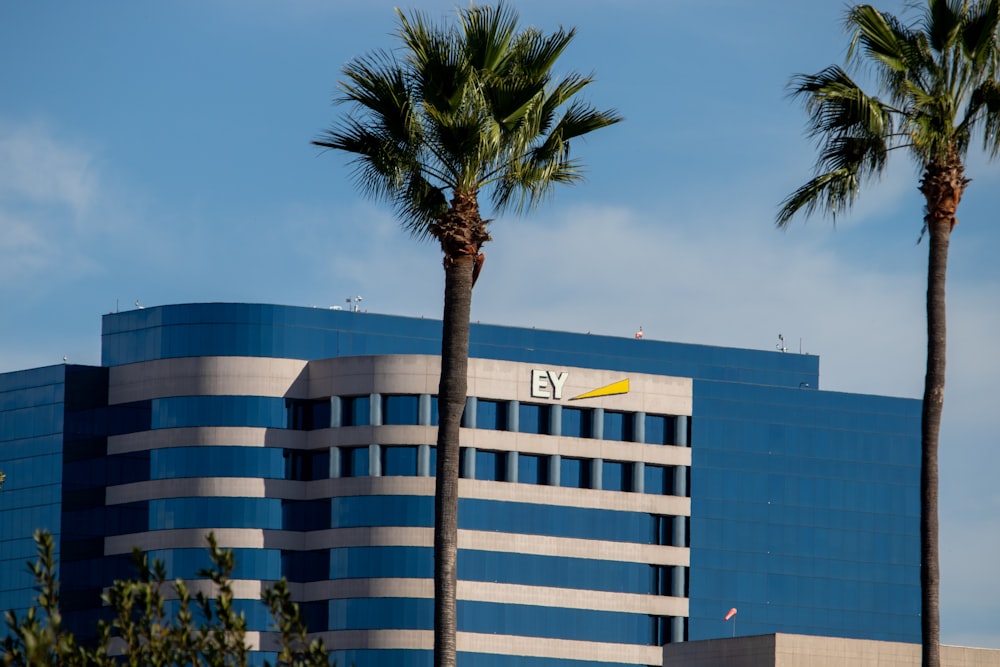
{"points": [[541, 545], [467, 642], [256, 487], [479, 591], [362, 436], [389, 374]]}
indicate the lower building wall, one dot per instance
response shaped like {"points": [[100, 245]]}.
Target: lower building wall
{"points": [[783, 650]]}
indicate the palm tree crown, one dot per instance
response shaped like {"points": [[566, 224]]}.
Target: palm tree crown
{"points": [[463, 109], [940, 83], [939, 80]]}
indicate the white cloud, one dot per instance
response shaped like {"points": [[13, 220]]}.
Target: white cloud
{"points": [[37, 167]]}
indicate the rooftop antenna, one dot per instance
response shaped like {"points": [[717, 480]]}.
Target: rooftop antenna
{"points": [[781, 344]]}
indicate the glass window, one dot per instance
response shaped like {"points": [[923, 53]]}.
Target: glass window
{"points": [[356, 411], [304, 515], [659, 430], [576, 422], [400, 410], [532, 469], [399, 461], [305, 466], [616, 476], [308, 414], [354, 462], [491, 466], [253, 411], [658, 480], [574, 473], [533, 418], [491, 415], [180, 462], [618, 426]]}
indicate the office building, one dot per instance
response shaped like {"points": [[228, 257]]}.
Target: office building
{"points": [[617, 494]]}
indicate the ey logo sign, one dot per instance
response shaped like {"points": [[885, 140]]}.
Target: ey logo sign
{"points": [[549, 384]]}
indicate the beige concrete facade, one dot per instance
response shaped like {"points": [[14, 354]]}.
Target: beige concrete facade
{"points": [[784, 650], [352, 378]]}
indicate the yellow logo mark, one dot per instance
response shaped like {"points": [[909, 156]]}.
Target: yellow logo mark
{"points": [[613, 389]]}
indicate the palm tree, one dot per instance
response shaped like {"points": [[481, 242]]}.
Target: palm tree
{"points": [[460, 109], [940, 87]]}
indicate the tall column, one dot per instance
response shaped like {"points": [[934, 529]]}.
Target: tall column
{"points": [[597, 424], [513, 416], [469, 416], [424, 461], [336, 412], [511, 469], [639, 427], [555, 419], [681, 431], [424, 410]]}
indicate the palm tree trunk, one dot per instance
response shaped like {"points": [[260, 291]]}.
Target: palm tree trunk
{"points": [[942, 186], [451, 404], [930, 426]]}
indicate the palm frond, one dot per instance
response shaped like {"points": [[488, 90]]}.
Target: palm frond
{"points": [[943, 23], [985, 104], [979, 32], [488, 34], [836, 104], [831, 192]]}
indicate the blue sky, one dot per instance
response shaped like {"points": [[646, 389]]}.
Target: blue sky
{"points": [[160, 152]]}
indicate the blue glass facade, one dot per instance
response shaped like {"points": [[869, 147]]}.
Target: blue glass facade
{"points": [[31, 425], [798, 507]]}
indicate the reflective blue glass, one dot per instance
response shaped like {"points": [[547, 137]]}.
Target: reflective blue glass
{"points": [[414, 658], [191, 330], [805, 511], [400, 410], [659, 430], [253, 411], [533, 418], [305, 514], [576, 422], [354, 461], [305, 566], [356, 410], [491, 466], [658, 479], [307, 414], [399, 460], [215, 513], [306, 465], [492, 618], [616, 476], [178, 462], [618, 426], [254, 564], [507, 517], [574, 473], [532, 469], [491, 415]]}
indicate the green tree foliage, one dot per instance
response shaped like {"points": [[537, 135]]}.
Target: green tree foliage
{"points": [[459, 110], [938, 91], [203, 630]]}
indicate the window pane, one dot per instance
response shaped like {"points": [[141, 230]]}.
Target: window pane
{"points": [[400, 410], [576, 422], [617, 476], [532, 469], [491, 466]]}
